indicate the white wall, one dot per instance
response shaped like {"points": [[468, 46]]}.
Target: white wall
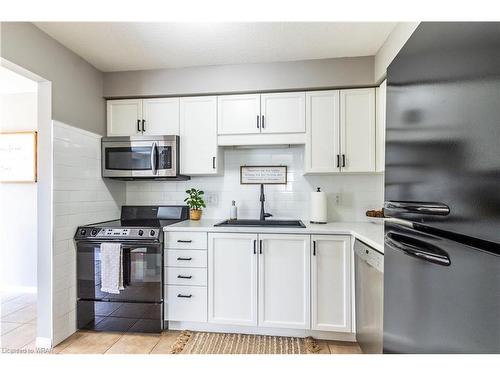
{"points": [[392, 45], [18, 213], [81, 197], [358, 193]]}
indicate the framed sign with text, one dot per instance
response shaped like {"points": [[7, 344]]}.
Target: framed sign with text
{"points": [[18, 157], [263, 174]]}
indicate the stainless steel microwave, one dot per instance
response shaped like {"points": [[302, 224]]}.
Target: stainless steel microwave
{"points": [[154, 157]]}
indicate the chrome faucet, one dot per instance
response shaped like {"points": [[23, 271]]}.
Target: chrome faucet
{"points": [[263, 213]]}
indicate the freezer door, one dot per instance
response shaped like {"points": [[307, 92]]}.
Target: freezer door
{"points": [[440, 296]]}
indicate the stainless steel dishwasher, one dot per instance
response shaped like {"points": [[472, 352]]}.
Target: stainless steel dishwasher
{"points": [[369, 288]]}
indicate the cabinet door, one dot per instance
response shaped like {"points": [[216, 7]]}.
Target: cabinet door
{"points": [[357, 130], [322, 148], [331, 283], [283, 112], [284, 281], [238, 114], [198, 135], [232, 278], [124, 117], [161, 116], [380, 127]]}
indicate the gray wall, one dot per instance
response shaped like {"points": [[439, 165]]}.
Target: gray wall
{"points": [[323, 73], [76, 85]]}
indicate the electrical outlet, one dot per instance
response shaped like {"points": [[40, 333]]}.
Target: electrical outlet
{"points": [[337, 198], [211, 198]]}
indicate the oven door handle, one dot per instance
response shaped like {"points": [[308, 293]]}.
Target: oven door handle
{"points": [[153, 158]]}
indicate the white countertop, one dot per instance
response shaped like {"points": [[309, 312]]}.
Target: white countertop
{"points": [[370, 233]]}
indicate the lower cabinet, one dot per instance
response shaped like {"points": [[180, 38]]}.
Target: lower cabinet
{"points": [[186, 303], [284, 281], [232, 278], [331, 283]]}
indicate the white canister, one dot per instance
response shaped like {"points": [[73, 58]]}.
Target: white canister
{"points": [[318, 213]]}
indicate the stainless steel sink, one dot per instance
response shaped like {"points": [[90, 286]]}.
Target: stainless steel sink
{"points": [[262, 223]]}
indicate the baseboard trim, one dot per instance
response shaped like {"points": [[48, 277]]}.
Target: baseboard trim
{"points": [[43, 342], [209, 327]]}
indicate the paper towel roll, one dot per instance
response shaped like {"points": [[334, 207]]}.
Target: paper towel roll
{"points": [[318, 213]]}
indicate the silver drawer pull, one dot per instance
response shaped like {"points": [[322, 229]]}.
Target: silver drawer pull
{"points": [[184, 296], [181, 258], [184, 277], [185, 241]]}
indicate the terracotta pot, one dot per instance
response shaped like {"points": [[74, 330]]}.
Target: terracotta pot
{"points": [[195, 214]]}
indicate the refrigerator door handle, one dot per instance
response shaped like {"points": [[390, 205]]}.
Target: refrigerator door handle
{"points": [[417, 249], [421, 208]]}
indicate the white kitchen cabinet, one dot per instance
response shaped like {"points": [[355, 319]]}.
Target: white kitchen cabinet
{"points": [[357, 130], [161, 116], [198, 136], [124, 117], [238, 114], [331, 283], [283, 112], [380, 126], [322, 150], [284, 281], [130, 117], [186, 303], [232, 278]]}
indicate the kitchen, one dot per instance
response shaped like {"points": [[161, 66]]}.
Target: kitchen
{"points": [[250, 204]]}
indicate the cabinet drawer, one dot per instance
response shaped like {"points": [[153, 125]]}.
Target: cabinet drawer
{"points": [[186, 240], [185, 258], [186, 303], [186, 276]]}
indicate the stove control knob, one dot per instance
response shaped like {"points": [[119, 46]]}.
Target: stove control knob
{"points": [[152, 233], [83, 232], [141, 232], [94, 232]]}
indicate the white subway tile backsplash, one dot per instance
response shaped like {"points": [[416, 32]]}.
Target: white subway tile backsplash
{"points": [[358, 193], [81, 197]]}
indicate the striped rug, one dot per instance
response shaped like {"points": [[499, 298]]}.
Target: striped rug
{"points": [[232, 343]]}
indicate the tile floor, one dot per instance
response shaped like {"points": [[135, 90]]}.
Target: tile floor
{"points": [[17, 321], [89, 342]]}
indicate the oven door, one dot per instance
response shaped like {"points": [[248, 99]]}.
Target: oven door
{"points": [[142, 273], [139, 158]]}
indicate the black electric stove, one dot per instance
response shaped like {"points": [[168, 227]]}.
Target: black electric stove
{"points": [[139, 306]]}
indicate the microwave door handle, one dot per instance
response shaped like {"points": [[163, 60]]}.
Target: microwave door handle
{"points": [[153, 158]]}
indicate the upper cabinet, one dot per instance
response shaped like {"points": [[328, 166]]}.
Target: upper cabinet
{"points": [[198, 136], [124, 117], [340, 135], [283, 112], [380, 127], [238, 114], [128, 117], [277, 118], [357, 130]]}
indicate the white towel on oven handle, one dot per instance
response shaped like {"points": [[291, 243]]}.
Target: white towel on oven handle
{"points": [[111, 267]]}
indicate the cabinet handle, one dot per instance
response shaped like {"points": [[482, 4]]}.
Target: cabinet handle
{"points": [[184, 277], [143, 125], [213, 162], [185, 241], [260, 246], [138, 126], [314, 248], [258, 127], [184, 296], [338, 161], [263, 122], [255, 246], [343, 160], [181, 258]]}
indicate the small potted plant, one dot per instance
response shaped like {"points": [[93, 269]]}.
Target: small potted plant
{"points": [[195, 202]]}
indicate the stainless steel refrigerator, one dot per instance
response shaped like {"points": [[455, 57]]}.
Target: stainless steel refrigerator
{"points": [[442, 192]]}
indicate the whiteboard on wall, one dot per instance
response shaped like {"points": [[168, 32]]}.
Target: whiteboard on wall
{"points": [[18, 157]]}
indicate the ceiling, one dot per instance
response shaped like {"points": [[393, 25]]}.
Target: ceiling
{"points": [[118, 46]]}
